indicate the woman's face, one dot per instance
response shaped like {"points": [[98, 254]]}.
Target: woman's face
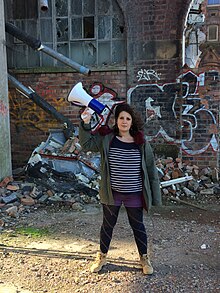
{"points": [[124, 122]]}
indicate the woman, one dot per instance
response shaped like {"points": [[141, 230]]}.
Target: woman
{"points": [[128, 176]]}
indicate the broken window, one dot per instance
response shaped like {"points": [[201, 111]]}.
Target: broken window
{"points": [[102, 22], [88, 27], [88, 32]]}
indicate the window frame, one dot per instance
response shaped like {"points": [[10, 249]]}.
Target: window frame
{"points": [[217, 33], [214, 4]]}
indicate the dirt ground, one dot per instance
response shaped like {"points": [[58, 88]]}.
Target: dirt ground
{"points": [[55, 257]]}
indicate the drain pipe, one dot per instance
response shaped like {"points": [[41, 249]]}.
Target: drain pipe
{"points": [[44, 5], [37, 45]]}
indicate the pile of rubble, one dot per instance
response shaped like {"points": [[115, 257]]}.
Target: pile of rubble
{"points": [[46, 187], [201, 186]]}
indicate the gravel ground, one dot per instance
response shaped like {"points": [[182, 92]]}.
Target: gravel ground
{"points": [[183, 245]]}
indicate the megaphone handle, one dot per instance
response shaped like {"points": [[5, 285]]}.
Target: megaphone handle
{"points": [[87, 113]]}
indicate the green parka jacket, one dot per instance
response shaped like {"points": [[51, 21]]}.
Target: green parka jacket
{"points": [[98, 143]]}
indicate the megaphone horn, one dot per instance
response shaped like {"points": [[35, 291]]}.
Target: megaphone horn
{"points": [[79, 96]]}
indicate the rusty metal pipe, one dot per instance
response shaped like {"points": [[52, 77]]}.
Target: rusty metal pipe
{"points": [[44, 5]]}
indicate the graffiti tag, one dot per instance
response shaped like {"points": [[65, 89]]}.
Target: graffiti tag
{"points": [[147, 74]]}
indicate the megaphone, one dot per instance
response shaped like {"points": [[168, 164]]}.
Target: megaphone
{"points": [[79, 96]]}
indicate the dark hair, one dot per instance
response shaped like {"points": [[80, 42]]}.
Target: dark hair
{"points": [[137, 123]]}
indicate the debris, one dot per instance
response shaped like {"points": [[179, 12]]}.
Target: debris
{"points": [[5, 181], [204, 246], [187, 203], [10, 198], [200, 185], [12, 211]]}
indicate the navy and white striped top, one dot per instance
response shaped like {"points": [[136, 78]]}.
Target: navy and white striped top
{"points": [[125, 166]]}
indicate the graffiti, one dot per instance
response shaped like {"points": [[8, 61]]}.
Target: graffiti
{"points": [[25, 113], [105, 96], [198, 119], [3, 109], [178, 113], [162, 104], [147, 74], [151, 111]]}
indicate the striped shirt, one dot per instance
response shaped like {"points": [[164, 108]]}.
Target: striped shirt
{"points": [[125, 166]]}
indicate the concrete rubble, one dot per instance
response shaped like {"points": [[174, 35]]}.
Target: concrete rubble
{"points": [[59, 173]]}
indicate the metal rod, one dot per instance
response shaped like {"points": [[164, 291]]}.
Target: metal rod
{"points": [[175, 181], [19, 85], [64, 59], [69, 128]]}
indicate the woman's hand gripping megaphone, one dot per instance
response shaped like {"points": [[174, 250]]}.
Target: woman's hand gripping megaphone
{"points": [[87, 115]]}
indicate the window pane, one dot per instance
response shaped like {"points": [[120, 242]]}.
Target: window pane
{"points": [[117, 27], [118, 52], [46, 59], [21, 56], [33, 58], [76, 7], [76, 52], [76, 27], [104, 27], [46, 30], [104, 7], [88, 24], [62, 49], [23, 9], [104, 53], [213, 33], [88, 7], [31, 28], [62, 29], [89, 53], [21, 25], [61, 7]]}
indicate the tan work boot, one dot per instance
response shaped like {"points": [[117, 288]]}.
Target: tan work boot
{"points": [[99, 262], [146, 265]]}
